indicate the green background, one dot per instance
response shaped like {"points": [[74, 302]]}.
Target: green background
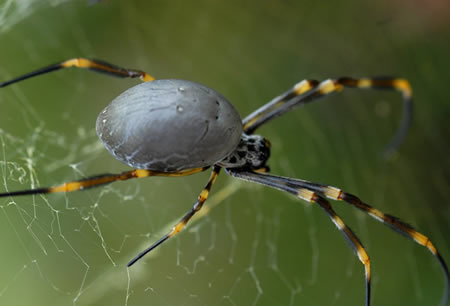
{"points": [[259, 247]]}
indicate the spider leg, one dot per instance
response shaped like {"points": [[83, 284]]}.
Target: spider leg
{"points": [[181, 224], [98, 180], [278, 105], [313, 197], [391, 221], [310, 90], [395, 224], [91, 64]]}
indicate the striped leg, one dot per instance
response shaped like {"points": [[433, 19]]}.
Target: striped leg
{"points": [[391, 221], [278, 106], [313, 197], [98, 180], [311, 90], [181, 224], [91, 64], [394, 223], [351, 238]]}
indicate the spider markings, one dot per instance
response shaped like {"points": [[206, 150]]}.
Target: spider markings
{"points": [[248, 162], [252, 152]]}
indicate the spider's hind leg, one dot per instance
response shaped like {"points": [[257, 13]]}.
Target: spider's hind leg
{"points": [[99, 180], [85, 63], [182, 223]]}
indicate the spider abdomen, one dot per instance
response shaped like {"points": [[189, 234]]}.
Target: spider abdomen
{"points": [[169, 125]]}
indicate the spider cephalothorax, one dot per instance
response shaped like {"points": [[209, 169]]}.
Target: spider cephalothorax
{"points": [[252, 152]]}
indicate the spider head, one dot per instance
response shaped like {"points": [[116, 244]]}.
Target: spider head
{"points": [[252, 152]]}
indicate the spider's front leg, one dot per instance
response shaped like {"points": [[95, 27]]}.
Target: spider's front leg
{"points": [[308, 91], [313, 192], [312, 197]]}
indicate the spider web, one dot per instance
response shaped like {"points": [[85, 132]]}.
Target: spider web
{"points": [[251, 245]]}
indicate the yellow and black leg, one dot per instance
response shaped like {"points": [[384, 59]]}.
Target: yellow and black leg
{"points": [[310, 90], [391, 221], [278, 106], [351, 238], [313, 197], [394, 223], [182, 223], [98, 180], [91, 64]]}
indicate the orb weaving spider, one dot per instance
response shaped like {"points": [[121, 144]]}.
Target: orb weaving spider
{"points": [[176, 128]]}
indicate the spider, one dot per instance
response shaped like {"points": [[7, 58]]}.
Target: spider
{"points": [[176, 128]]}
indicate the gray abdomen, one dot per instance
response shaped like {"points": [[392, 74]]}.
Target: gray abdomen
{"points": [[169, 125]]}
